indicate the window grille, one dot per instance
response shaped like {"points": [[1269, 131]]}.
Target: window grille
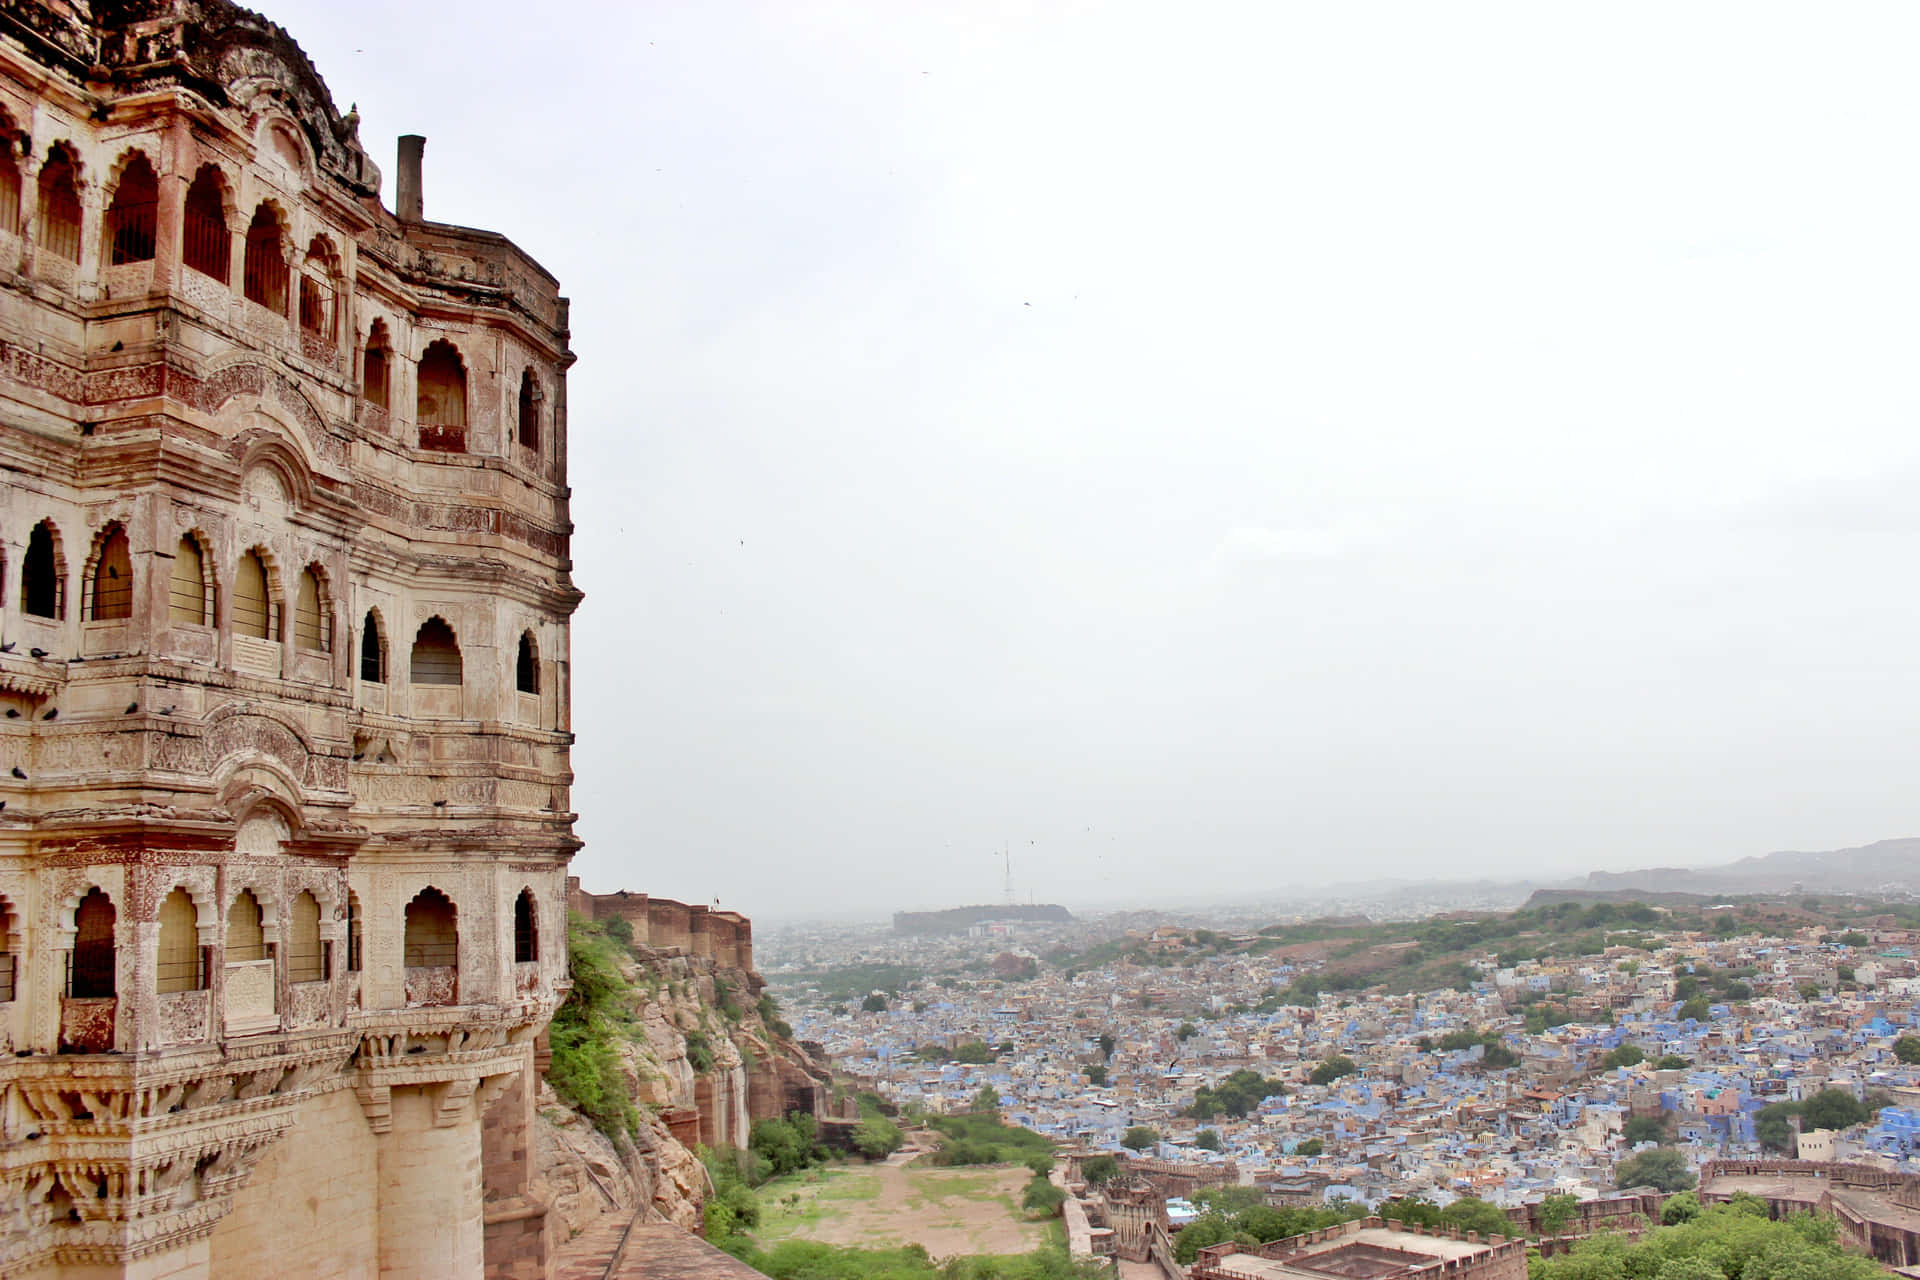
{"points": [[59, 232], [207, 245], [179, 966], [265, 270], [132, 217], [113, 579], [312, 626], [246, 939], [9, 190], [305, 962], [187, 585], [436, 654], [252, 608]]}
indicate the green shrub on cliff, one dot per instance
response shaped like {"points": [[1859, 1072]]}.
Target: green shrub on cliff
{"points": [[597, 1014]]}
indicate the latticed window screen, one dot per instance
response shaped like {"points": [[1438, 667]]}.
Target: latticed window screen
{"points": [[178, 967], [304, 960], [353, 933], [187, 585], [252, 608], [113, 579], [246, 939]]}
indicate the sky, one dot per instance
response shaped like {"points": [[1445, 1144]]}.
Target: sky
{"points": [[1206, 449]]}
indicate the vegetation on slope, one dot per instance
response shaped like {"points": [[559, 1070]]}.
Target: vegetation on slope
{"points": [[587, 1028]]}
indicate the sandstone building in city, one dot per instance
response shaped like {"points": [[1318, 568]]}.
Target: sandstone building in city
{"points": [[284, 596]]}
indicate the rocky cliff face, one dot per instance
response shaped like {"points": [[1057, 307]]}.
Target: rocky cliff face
{"points": [[702, 1060]]}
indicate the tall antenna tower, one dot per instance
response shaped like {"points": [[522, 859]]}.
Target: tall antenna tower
{"points": [[1006, 855]]}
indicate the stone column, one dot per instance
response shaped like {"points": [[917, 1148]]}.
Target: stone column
{"points": [[430, 1197]]}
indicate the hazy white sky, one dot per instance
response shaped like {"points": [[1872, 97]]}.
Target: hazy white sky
{"points": [[1207, 445]]}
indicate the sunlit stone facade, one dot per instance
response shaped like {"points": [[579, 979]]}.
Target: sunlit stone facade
{"points": [[284, 598]]}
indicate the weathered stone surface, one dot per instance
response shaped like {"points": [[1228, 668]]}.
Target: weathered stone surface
{"points": [[214, 829]]}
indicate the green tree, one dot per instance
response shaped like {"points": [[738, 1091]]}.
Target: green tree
{"points": [[1809, 991], [1097, 1075], [1099, 1170], [1043, 1197], [1684, 1207], [877, 1137], [1208, 1140], [1311, 1147], [1555, 1212], [1186, 1032], [875, 1003], [1644, 1129], [1139, 1138], [1626, 1055], [1333, 1069], [1671, 1062], [1853, 938], [986, 1098], [1235, 1096], [1471, 1213], [1696, 1009], [1039, 1164], [1106, 1045], [1662, 1168], [1907, 1049], [1686, 987], [1833, 1109]]}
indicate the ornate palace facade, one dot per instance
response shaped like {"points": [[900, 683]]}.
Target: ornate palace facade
{"points": [[284, 596]]}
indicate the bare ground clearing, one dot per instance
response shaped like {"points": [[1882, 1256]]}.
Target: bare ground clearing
{"points": [[947, 1211]]}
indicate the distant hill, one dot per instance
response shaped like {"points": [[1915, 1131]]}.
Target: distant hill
{"points": [[960, 919], [1888, 865]]}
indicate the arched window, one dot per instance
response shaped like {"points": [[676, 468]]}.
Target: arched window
{"points": [[433, 932], [8, 960], [252, 604], [316, 289], [440, 409], [373, 374], [305, 959], [206, 245], [178, 967], [59, 231], [264, 277], [113, 578], [246, 938], [353, 932], [436, 654], [42, 585], [312, 617], [90, 968], [187, 585], [373, 665], [131, 218], [526, 929], [526, 672], [529, 410], [9, 180]]}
